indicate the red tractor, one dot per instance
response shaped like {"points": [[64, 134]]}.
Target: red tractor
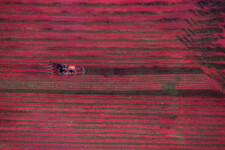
{"points": [[61, 69]]}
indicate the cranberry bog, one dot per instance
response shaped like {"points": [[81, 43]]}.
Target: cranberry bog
{"points": [[154, 74]]}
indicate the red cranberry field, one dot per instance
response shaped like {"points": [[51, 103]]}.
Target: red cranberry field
{"points": [[154, 74]]}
